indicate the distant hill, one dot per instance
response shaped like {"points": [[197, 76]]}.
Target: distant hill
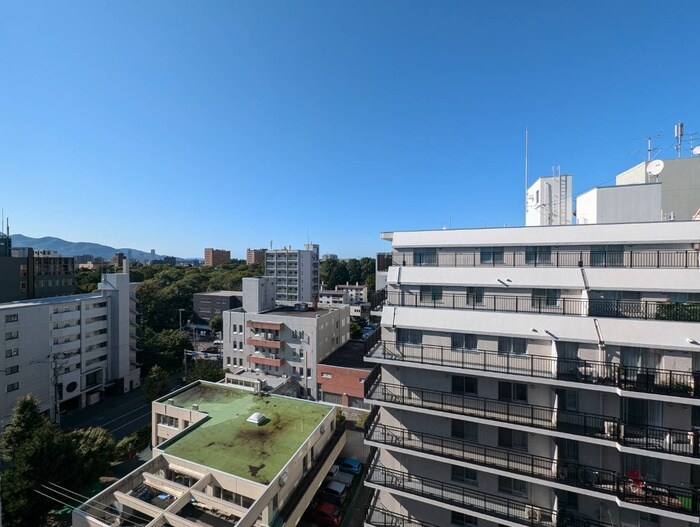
{"points": [[66, 248]]}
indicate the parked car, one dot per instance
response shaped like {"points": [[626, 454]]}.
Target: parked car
{"points": [[334, 492], [325, 514], [334, 474], [350, 465]]}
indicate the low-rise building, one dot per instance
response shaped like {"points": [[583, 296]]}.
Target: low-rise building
{"points": [[332, 297], [223, 456], [206, 305], [280, 341], [357, 293], [342, 375]]}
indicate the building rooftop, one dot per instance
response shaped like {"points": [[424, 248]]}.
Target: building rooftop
{"points": [[349, 355], [225, 441], [50, 300], [289, 311], [221, 293]]}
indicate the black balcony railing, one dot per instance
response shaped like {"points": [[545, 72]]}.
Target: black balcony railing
{"points": [[378, 516], [669, 259], [471, 500], [643, 436], [632, 378], [636, 309], [632, 489]]}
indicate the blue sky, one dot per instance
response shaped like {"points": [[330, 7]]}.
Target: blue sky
{"points": [[178, 125]]}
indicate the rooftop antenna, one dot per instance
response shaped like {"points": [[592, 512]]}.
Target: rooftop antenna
{"points": [[678, 134], [527, 186], [655, 168], [270, 244]]}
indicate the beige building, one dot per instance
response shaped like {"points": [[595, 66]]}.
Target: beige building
{"points": [[539, 376], [281, 343], [215, 257], [217, 462], [255, 256]]}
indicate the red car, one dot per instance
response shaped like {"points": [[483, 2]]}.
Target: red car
{"points": [[325, 515]]}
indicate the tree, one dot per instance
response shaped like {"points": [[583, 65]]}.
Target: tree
{"points": [[95, 448], [216, 323], [156, 384], [34, 451], [206, 370], [355, 330], [165, 349]]}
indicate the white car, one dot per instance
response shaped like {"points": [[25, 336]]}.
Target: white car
{"points": [[334, 474]]}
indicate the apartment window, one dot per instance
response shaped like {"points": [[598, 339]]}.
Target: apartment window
{"points": [[568, 400], [464, 475], [511, 485], [464, 385], [430, 293], [569, 499], [424, 257], [11, 318], [12, 387], [512, 392], [509, 438], [11, 370], [568, 449], [538, 255], [512, 345], [465, 430], [475, 295], [11, 352], [228, 361], [462, 520], [492, 255], [409, 336], [545, 297], [11, 335], [464, 341]]}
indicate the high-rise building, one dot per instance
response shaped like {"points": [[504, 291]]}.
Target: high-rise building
{"points": [[539, 376], [255, 256], [67, 350], [296, 272], [26, 274], [215, 257]]}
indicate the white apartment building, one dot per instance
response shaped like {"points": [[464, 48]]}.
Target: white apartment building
{"points": [[278, 341], [539, 376], [296, 272], [67, 350], [216, 462], [356, 293]]}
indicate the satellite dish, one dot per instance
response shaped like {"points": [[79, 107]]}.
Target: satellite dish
{"points": [[655, 167], [696, 151]]}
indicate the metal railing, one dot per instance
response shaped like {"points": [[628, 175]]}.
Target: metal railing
{"points": [[632, 378], [455, 495], [633, 490], [667, 259], [636, 309], [378, 516], [643, 436]]}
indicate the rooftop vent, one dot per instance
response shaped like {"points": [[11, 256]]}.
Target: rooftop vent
{"points": [[195, 406], [257, 418]]}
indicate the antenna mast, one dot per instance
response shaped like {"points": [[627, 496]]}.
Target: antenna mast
{"points": [[527, 186], [678, 134]]}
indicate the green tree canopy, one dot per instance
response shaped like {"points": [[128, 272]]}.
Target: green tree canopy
{"points": [[206, 370], [156, 384], [216, 323]]}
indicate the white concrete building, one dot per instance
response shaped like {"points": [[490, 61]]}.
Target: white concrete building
{"points": [[657, 190], [296, 272], [539, 376], [67, 350], [357, 293], [285, 342], [550, 201], [214, 466]]}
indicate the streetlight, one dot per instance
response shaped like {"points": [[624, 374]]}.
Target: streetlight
{"points": [[180, 314]]}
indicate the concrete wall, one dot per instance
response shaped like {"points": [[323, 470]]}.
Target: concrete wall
{"points": [[623, 204]]}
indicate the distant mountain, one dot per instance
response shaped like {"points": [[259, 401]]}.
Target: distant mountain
{"points": [[66, 248]]}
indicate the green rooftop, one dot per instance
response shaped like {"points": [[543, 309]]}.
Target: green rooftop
{"points": [[227, 442]]}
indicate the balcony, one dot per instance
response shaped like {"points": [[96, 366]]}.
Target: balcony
{"points": [[378, 516], [268, 326], [266, 361], [682, 259], [645, 437], [265, 343], [471, 500], [632, 489], [635, 309], [630, 378]]}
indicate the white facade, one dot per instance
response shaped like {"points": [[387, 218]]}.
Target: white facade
{"points": [[549, 201], [296, 272], [281, 341], [67, 350], [539, 376], [623, 204]]}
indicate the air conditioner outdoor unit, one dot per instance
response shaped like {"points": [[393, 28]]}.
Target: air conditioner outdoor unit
{"points": [[609, 428], [533, 513]]}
